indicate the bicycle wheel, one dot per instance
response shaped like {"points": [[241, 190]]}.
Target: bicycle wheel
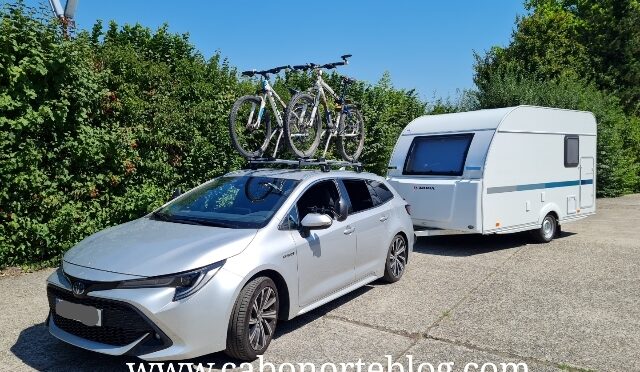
{"points": [[256, 189], [250, 130], [350, 135], [301, 131]]}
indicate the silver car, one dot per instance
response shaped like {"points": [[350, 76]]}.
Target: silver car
{"points": [[217, 267]]}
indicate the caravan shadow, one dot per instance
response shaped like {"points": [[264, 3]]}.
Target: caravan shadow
{"points": [[472, 244]]}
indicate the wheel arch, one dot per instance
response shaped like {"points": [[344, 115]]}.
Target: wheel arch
{"points": [[406, 240], [284, 310], [552, 209]]}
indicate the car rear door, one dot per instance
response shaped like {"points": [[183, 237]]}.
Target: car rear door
{"points": [[369, 218]]}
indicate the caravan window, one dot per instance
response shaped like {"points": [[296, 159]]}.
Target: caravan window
{"points": [[443, 155], [571, 151]]}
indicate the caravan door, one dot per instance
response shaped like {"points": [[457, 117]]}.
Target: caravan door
{"points": [[587, 194]]}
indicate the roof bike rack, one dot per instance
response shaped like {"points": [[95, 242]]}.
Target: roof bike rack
{"points": [[324, 164]]}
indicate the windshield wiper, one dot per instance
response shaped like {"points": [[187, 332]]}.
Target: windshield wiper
{"points": [[192, 221], [203, 222]]}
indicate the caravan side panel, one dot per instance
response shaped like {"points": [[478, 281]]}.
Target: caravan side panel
{"points": [[526, 176]]}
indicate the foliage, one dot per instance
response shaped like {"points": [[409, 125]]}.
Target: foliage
{"points": [[576, 54], [100, 129]]}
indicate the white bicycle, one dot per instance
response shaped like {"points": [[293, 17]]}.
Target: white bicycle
{"points": [[250, 117], [303, 127]]}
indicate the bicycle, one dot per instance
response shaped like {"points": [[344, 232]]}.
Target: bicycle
{"points": [[251, 131], [300, 127]]}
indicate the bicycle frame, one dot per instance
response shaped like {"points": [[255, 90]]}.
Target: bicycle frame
{"points": [[332, 128], [268, 94]]}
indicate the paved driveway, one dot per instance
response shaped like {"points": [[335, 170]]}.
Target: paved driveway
{"points": [[573, 304]]}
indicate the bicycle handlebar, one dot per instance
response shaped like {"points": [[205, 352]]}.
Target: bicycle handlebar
{"points": [[328, 66], [264, 73]]}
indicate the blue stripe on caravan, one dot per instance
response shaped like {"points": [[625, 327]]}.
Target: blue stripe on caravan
{"points": [[552, 185], [472, 168], [537, 186]]}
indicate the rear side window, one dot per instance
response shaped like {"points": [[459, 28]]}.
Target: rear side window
{"points": [[441, 155], [571, 151], [379, 191], [359, 195]]}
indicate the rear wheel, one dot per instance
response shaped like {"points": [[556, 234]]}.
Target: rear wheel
{"points": [[253, 320], [351, 135], [396, 259], [547, 230], [302, 127], [249, 128]]}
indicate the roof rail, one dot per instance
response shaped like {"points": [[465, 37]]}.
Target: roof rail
{"points": [[324, 164]]}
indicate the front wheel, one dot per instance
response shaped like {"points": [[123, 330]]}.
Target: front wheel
{"points": [[253, 320], [250, 126], [351, 135], [303, 125]]}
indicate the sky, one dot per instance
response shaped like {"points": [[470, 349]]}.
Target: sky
{"points": [[425, 45]]}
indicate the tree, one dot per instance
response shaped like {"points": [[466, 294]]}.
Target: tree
{"points": [[576, 54]]}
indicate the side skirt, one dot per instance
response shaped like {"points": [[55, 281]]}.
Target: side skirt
{"points": [[336, 294]]}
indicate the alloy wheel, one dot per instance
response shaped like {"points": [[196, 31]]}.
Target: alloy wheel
{"points": [[262, 319], [398, 256]]}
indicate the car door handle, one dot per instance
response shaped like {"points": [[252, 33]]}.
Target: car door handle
{"points": [[384, 218], [349, 230]]}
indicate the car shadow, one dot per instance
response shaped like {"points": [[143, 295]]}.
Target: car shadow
{"points": [[465, 245], [39, 350]]}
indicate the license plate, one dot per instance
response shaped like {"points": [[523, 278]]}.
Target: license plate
{"points": [[87, 315]]}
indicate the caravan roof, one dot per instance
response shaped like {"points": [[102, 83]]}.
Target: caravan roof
{"points": [[532, 119]]}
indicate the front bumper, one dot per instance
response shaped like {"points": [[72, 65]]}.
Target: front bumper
{"points": [[146, 322]]}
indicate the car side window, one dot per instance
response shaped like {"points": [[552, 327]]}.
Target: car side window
{"points": [[381, 193], [322, 197], [359, 195]]}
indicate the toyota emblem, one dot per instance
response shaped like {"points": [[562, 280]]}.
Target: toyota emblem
{"points": [[78, 288]]}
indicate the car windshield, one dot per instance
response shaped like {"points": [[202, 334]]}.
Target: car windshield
{"points": [[232, 202]]}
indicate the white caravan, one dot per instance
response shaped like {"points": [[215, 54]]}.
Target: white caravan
{"points": [[497, 171]]}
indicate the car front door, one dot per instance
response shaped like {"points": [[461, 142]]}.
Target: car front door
{"points": [[326, 257], [369, 218]]}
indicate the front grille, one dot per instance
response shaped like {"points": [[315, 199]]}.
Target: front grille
{"points": [[121, 323]]}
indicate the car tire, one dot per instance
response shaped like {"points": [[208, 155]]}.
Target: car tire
{"points": [[396, 261], [250, 330], [547, 231]]}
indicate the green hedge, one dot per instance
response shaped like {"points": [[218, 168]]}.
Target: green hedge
{"points": [[100, 129]]}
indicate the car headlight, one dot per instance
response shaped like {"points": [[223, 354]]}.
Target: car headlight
{"points": [[186, 283]]}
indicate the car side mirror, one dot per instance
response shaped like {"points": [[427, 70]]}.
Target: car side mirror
{"points": [[343, 210], [315, 221], [177, 192]]}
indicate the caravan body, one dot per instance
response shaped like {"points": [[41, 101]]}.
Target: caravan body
{"points": [[496, 171]]}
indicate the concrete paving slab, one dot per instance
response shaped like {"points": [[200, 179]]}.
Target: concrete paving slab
{"points": [[440, 273], [573, 301]]}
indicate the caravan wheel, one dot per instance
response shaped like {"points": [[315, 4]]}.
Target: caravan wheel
{"points": [[547, 230]]}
